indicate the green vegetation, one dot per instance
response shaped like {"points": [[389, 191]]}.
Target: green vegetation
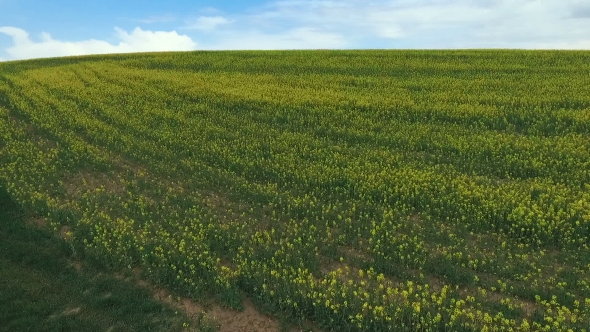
{"points": [[40, 290], [364, 190]]}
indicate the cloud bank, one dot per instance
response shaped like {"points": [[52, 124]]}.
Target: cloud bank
{"points": [[137, 40]]}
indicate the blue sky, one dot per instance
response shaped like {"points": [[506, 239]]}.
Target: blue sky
{"points": [[33, 28]]}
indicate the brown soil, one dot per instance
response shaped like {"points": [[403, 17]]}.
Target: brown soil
{"points": [[36, 222], [228, 320], [77, 184]]}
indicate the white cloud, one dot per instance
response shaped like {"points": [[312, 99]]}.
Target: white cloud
{"points": [[206, 23], [19, 36], [137, 40], [574, 45]]}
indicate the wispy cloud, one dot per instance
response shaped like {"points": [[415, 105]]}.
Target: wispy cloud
{"points": [[137, 40], [406, 23], [296, 38], [439, 23], [206, 23], [209, 11]]}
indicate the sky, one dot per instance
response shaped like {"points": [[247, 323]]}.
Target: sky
{"points": [[41, 28]]}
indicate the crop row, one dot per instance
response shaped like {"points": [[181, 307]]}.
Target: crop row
{"points": [[366, 191]]}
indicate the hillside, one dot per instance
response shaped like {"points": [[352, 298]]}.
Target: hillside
{"points": [[358, 190]]}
